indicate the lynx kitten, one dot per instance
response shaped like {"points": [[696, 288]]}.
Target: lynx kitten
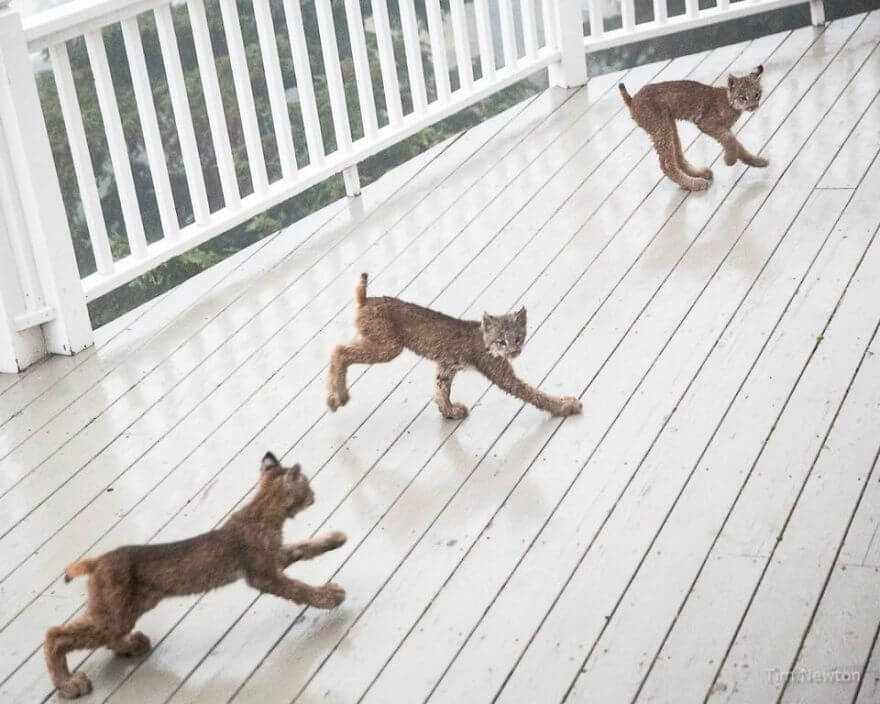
{"points": [[388, 325], [657, 106]]}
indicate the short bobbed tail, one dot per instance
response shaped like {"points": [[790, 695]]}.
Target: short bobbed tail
{"points": [[79, 568], [360, 291], [624, 93]]}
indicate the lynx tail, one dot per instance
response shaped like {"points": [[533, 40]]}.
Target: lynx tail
{"points": [[627, 98], [77, 569], [360, 292]]}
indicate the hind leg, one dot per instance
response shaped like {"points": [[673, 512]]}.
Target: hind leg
{"points": [[685, 165], [366, 350], [665, 137], [453, 411], [133, 645], [82, 634]]}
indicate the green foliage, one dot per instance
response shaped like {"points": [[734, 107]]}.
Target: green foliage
{"points": [[182, 267]]}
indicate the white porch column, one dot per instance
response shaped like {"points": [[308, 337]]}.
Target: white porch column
{"points": [[42, 306], [571, 71]]}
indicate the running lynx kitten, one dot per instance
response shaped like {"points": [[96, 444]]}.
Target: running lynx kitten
{"points": [[129, 581], [714, 109], [388, 325]]}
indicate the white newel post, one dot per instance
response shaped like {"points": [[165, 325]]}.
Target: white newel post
{"points": [[42, 305], [571, 70], [817, 12]]}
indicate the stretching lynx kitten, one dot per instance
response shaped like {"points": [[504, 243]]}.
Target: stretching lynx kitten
{"points": [[713, 109], [387, 325], [131, 580]]}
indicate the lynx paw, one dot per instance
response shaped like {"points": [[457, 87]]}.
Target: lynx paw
{"points": [[759, 162], [698, 184], [134, 645], [729, 158], [337, 398], [329, 596], [706, 174], [456, 411], [75, 686], [568, 406], [334, 540]]}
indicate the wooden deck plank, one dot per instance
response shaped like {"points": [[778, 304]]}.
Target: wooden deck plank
{"points": [[258, 408], [569, 631]]}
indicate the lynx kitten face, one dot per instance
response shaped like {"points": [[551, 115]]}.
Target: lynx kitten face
{"points": [[744, 92], [504, 335]]}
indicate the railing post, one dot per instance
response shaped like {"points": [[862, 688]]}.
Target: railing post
{"points": [[571, 70], [42, 305], [817, 12], [352, 180]]}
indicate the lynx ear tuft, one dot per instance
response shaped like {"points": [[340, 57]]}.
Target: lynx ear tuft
{"points": [[731, 81], [758, 70], [293, 472], [269, 461], [487, 320], [520, 316]]}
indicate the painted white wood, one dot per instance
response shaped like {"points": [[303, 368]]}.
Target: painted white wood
{"points": [[143, 94], [548, 22], [213, 103], [461, 38], [352, 181], [244, 95], [628, 14], [508, 33], [692, 8], [192, 166], [449, 193], [817, 12], [304, 85], [571, 70], [661, 12], [39, 194], [275, 87], [411, 44], [437, 38], [484, 39], [82, 161], [597, 25], [362, 76], [530, 34], [387, 63], [333, 74], [116, 144]]}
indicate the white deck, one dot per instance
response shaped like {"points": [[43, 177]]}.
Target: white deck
{"points": [[708, 523]]}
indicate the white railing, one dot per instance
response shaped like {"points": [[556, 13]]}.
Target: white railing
{"points": [[473, 48]]}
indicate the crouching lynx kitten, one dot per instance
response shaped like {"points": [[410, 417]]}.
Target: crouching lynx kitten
{"points": [[388, 325], [714, 109]]}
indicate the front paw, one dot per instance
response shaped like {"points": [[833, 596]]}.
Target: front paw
{"points": [[730, 158], [456, 411], [568, 406], [328, 597], [706, 174], [75, 686], [698, 184], [136, 645], [337, 398], [334, 540], [758, 162]]}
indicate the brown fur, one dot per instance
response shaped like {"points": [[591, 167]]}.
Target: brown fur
{"points": [[388, 325], [131, 580], [713, 109]]}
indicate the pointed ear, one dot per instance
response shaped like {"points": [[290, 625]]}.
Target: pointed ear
{"points": [[759, 69], [269, 462], [731, 81], [520, 316], [293, 473], [487, 320]]}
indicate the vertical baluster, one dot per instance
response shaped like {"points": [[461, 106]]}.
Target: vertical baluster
{"points": [[484, 39], [242, 81], [462, 41], [548, 19], [508, 34], [82, 161], [192, 165], [692, 8], [362, 77], [275, 87], [438, 48], [597, 27], [530, 36], [131, 212], [330, 52], [143, 95], [387, 64], [213, 102], [413, 55], [627, 15], [723, 5], [660, 14], [304, 86]]}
